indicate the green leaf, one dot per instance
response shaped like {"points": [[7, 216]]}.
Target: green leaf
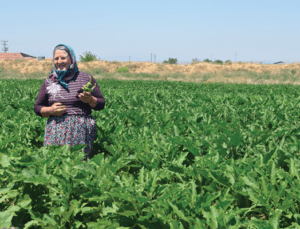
{"points": [[194, 193], [49, 219], [219, 178], [199, 224], [268, 156], [98, 158], [77, 148], [31, 223], [6, 218], [179, 212], [211, 218], [176, 131], [293, 170], [235, 139], [4, 160], [275, 217], [25, 202], [88, 209], [273, 173]]}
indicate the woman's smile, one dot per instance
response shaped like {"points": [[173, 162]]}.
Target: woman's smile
{"points": [[61, 67]]}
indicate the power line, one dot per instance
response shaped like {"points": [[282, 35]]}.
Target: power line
{"points": [[5, 48]]}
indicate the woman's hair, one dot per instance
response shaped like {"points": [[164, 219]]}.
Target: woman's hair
{"points": [[63, 48]]}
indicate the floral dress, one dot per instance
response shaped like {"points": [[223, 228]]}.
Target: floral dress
{"points": [[71, 130]]}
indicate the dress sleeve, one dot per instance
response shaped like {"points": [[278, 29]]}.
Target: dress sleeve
{"points": [[42, 100], [97, 93]]}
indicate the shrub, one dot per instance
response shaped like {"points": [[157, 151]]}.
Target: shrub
{"points": [[218, 62], [132, 66], [122, 69], [195, 61], [171, 61], [293, 71], [101, 70], [228, 62], [207, 60], [88, 57]]}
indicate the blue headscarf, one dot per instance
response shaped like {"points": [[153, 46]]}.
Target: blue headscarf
{"points": [[71, 69]]}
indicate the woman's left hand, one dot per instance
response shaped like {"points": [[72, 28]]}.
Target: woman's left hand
{"points": [[85, 97]]}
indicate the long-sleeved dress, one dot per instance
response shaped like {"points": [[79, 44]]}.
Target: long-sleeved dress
{"points": [[77, 126]]}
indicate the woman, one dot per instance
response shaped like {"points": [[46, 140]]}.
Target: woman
{"points": [[61, 97]]}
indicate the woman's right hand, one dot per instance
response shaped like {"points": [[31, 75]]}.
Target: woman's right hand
{"points": [[57, 109]]}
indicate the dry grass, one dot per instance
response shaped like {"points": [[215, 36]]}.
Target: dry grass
{"points": [[245, 73]]}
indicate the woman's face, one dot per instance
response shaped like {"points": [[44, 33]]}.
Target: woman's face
{"points": [[61, 60]]}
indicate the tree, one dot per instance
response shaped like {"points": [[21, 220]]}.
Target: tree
{"points": [[88, 57]]}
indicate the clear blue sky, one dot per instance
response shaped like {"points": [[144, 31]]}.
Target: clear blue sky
{"points": [[114, 30]]}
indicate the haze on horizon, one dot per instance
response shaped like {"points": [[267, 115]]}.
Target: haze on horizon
{"points": [[115, 30]]}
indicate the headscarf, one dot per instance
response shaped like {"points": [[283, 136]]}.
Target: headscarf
{"points": [[71, 69]]}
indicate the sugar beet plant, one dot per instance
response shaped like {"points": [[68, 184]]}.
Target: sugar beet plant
{"points": [[167, 155]]}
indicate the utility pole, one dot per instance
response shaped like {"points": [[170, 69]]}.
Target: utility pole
{"points": [[235, 57], [154, 58], [4, 44], [151, 57], [129, 58]]}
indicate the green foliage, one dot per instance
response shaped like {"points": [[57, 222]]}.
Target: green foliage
{"points": [[170, 61], [122, 69], [228, 62], [207, 60], [293, 71], [88, 56], [95, 71], [218, 62], [167, 155]]}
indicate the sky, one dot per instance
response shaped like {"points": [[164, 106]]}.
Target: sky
{"points": [[118, 30]]}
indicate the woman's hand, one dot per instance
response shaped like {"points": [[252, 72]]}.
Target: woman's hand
{"points": [[85, 97], [58, 109]]}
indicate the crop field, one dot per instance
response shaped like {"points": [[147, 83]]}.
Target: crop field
{"points": [[167, 155]]}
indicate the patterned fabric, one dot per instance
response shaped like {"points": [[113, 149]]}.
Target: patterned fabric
{"points": [[71, 69], [71, 130]]}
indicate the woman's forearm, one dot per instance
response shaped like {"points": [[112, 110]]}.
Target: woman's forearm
{"points": [[45, 112]]}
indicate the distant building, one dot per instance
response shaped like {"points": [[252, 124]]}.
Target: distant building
{"points": [[15, 56], [18, 55], [278, 62]]}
